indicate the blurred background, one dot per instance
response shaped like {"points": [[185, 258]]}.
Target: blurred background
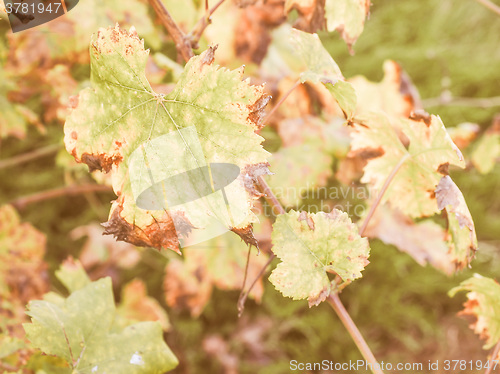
{"points": [[451, 51]]}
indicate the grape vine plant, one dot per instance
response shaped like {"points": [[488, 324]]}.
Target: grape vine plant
{"points": [[185, 159]]}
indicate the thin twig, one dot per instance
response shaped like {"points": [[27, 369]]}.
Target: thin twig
{"points": [[25, 157], [269, 195], [494, 354], [275, 204], [333, 299], [20, 203], [474, 102], [381, 193], [351, 327], [182, 42], [491, 6], [202, 24], [278, 104], [244, 295]]}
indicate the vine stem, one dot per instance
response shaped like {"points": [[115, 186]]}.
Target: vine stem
{"points": [[21, 202], [202, 24], [278, 104], [333, 299], [182, 43], [275, 204], [376, 203], [491, 6], [494, 354], [25, 157], [351, 327]]}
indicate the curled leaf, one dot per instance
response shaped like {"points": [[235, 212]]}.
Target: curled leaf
{"points": [[483, 305], [462, 240]]}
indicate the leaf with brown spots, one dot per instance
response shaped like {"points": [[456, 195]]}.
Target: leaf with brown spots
{"points": [[461, 231], [347, 17], [483, 305], [424, 154], [161, 148], [312, 246]]}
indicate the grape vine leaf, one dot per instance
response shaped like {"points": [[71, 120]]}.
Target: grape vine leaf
{"points": [[425, 240], [120, 125], [462, 233], [347, 17], [422, 162], [311, 14], [80, 330], [323, 69], [395, 94], [301, 167], [487, 149], [312, 245], [483, 304]]}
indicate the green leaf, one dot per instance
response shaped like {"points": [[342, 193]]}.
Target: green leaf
{"points": [[427, 156], [72, 275], [315, 56], [79, 331], [299, 169], [345, 95], [312, 245], [121, 125], [484, 305], [323, 69], [9, 345], [347, 17], [486, 152]]}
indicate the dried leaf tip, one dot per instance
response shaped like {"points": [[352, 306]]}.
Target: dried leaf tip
{"points": [[209, 55]]}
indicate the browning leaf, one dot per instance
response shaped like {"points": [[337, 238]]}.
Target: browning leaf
{"points": [[425, 241], [483, 305], [121, 125], [430, 147], [394, 95], [347, 17], [462, 240], [311, 14]]}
